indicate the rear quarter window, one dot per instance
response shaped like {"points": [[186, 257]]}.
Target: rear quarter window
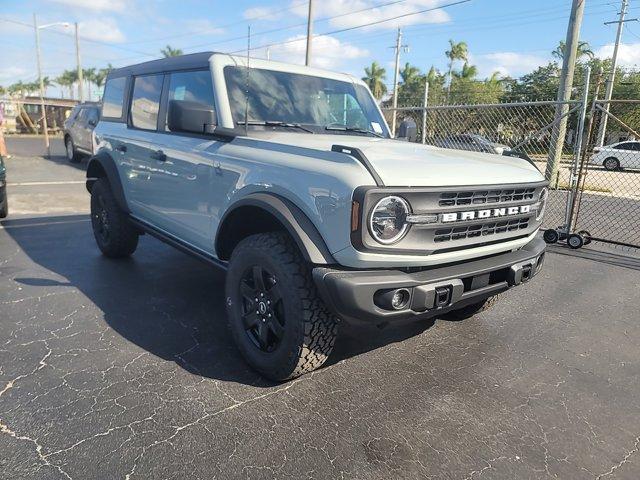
{"points": [[113, 99]]}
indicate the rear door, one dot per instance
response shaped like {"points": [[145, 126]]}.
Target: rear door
{"points": [[146, 178]]}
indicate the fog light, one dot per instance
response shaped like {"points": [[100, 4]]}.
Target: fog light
{"points": [[400, 299], [397, 299]]}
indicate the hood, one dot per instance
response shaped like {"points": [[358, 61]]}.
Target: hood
{"points": [[408, 164]]}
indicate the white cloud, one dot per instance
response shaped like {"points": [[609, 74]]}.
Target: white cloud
{"points": [[12, 73], [202, 27], [262, 13], [347, 18], [513, 64], [628, 53], [328, 52], [96, 5], [103, 29]]}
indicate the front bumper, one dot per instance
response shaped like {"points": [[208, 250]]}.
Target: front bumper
{"points": [[354, 295]]}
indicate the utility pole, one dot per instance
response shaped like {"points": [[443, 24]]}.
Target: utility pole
{"points": [[396, 73], [424, 109], [42, 106], [602, 129], [307, 60], [564, 90], [80, 79]]}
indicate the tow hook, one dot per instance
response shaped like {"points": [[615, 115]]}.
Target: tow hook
{"points": [[522, 272]]}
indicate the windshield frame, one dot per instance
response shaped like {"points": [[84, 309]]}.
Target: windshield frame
{"points": [[219, 62]]}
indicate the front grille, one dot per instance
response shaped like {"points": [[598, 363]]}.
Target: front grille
{"points": [[481, 230], [481, 197]]}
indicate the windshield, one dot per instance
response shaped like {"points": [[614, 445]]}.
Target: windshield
{"points": [[322, 105]]}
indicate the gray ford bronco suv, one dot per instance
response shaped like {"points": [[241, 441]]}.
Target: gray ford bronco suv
{"points": [[288, 177]]}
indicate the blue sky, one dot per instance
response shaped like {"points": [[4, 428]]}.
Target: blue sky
{"points": [[510, 36]]}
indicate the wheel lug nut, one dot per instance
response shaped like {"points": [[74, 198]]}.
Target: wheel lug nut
{"points": [[269, 315], [262, 294]]}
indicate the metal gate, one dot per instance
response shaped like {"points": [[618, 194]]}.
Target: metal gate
{"points": [[607, 201]]}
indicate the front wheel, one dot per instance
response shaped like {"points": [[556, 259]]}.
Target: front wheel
{"points": [[279, 323]]}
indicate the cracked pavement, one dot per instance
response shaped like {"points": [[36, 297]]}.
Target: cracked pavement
{"points": [[125, 369]]}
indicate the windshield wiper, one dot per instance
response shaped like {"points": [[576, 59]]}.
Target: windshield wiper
{"points": [[275, 123], [347, 128]]}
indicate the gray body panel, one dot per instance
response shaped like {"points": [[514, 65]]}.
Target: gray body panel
{"points": [[184, 185]]}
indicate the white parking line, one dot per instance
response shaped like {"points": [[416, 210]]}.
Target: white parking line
{"points": [[39, 224], [35, 184]]}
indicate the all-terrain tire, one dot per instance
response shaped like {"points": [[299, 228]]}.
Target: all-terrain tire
{"points": [[471, 310], [114, 234], [309, 329], [4, 210]]}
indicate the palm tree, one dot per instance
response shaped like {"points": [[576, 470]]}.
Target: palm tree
{"points": [[468, 72], [583, 50], [101, 76], [374, 77], [89, 76], [67, 79], [457, 51], [170, 52], [409, 73], [46, 83]]}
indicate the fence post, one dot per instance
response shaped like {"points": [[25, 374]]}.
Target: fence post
{"points": [[572, 187], [424, 109]]}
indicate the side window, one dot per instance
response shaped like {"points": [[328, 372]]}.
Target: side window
{"points": [[145, 102], [192, 87], [92, 115], [623, 146], [81, 116], [113, 97]]}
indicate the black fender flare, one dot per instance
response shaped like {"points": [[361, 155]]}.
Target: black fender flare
{"points": [[103, 165], [295, 221]]}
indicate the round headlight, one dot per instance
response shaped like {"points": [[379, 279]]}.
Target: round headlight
{"points": [[542, 204], [387, 223]]}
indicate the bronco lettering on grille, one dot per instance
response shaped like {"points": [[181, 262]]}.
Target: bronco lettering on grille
{"points": [[489, 213]]}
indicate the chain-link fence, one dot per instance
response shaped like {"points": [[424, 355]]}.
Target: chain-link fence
{"points": [[598, 190], [607, 202]]}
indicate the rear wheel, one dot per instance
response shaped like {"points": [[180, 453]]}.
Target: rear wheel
{"points": [[72, 155], [611, 164], [471, 310], [278, 321], [4, 209], [114, 234]]}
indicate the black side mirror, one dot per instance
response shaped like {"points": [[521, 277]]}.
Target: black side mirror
{"points": [[195, 117], [92, 123], [408, 131]]}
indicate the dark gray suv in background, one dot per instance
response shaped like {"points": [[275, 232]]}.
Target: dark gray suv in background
{"points": [[78, 131]]}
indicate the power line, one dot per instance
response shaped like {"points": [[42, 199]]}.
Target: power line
{"points": [[355, 27]]}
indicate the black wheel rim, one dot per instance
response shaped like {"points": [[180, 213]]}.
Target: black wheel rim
{"points": [[101, 220], [262, 308]]}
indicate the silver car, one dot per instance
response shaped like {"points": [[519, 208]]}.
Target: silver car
{"points": [[78, 131]]}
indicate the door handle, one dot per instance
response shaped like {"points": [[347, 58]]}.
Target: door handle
{"points": [[121, 148], [159, 155]]}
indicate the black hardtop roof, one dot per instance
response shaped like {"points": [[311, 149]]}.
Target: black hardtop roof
{"points": [[181, 62]]}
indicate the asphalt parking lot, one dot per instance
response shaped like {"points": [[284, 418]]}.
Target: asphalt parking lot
{"points": [[125, 369]]}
